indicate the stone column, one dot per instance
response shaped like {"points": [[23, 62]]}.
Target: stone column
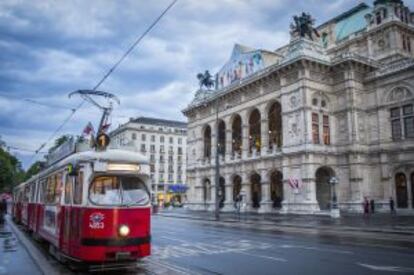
{"points": [[264, 135], [228, 203], [246, 189], [266, 202], [228, 143], [245, 140], [212, 202]]}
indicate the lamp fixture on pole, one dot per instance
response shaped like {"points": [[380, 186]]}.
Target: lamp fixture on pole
{"points": [[333, 181]]}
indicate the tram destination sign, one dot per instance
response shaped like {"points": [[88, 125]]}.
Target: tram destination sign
{"points": [[62, 151]]}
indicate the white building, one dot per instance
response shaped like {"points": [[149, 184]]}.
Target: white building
{"points": [[164, 142], [340, 106]]}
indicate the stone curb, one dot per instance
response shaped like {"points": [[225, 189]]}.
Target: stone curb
{"points": [[38, 258]]}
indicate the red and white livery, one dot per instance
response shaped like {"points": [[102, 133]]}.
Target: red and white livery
{"points": [[91, 207]]}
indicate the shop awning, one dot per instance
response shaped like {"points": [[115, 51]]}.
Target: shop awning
{"points": [[177, 188]]}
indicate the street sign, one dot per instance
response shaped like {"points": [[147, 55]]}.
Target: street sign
{"points": [[102, 141]]}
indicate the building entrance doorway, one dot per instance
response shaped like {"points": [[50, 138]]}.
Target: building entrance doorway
{"points": [[401, 190], [276, 188], [323, 188], [255, 190]]}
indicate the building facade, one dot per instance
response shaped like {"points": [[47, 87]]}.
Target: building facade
{"points": [[165, 143], [285, 123]]}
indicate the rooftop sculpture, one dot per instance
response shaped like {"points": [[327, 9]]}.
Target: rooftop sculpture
{"points": [[205, 80], [303, 26]]}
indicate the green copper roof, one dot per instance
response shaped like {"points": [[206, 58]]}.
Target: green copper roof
{"points": [[353, 23]]}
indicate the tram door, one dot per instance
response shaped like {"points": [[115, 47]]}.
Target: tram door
{"points": [[67, 209]]}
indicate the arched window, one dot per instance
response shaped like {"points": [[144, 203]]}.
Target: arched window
{"points": [[207, 142], [275, 125], [254, 131], [222, 137], [237, 134]]}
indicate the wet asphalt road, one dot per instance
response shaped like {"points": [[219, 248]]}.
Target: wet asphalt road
{"points": [[207, 249], [182, 246]]}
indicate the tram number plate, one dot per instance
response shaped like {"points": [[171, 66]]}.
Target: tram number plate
{"points": [[122, 255]]}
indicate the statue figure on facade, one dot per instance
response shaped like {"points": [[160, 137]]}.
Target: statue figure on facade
{"points": [[205, 80], [303, 26]]}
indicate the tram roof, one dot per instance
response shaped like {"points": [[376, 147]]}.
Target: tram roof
{"points": [[110, 155]]}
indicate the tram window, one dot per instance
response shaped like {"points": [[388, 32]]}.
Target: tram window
{"points": [[50, 189], [42, 190], [32, 192], [26, 193], [58, 188], [68, 189], [119, 190], [133, 191], [77, 193]]}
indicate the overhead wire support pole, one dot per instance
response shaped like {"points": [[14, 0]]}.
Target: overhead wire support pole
{"points": [[108, 74], [217, 166]]}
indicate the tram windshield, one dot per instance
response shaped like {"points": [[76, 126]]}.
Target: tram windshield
{"points": [[118, 190]]}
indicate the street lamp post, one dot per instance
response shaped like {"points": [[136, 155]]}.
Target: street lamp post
{"points": [[334, 205], [217, 164]]}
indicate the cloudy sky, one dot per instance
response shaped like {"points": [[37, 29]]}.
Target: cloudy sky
{"points": [[49, 48]]}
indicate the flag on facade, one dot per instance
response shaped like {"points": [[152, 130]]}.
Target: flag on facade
{"points": [[105, 127], [88, 129], [294, 183]]}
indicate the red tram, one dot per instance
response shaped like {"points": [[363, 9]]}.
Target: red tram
{"points": [[91, 207]]}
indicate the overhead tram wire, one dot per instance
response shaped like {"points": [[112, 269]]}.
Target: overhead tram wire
{"points": [[113, 68]]}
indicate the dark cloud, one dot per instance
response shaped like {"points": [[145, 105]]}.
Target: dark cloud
{"points": [[50, 48]]}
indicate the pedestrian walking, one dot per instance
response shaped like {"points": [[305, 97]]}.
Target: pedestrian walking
{"points": [[392, 205], [3, 210], [366, 207], [372, 205]]}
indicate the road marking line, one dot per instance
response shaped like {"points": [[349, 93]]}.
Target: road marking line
{"points": [[263, 256], [316, 249], [172, 267], [388, 268], [211, 249]]}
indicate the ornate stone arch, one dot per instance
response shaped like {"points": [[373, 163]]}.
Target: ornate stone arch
{"points": [[398, 93], [321, 97]]}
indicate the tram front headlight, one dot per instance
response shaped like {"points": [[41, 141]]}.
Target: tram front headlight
{"points": [[123, 230]]}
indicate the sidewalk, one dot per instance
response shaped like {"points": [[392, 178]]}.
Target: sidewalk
{"points": [[14, 258], [375, 223]]}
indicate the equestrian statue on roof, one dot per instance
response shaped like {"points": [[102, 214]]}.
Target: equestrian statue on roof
{"points": [[303, 26]]}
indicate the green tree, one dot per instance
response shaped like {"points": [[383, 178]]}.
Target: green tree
{"points": [[59, 141], [11, 172], [33, 170]]}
